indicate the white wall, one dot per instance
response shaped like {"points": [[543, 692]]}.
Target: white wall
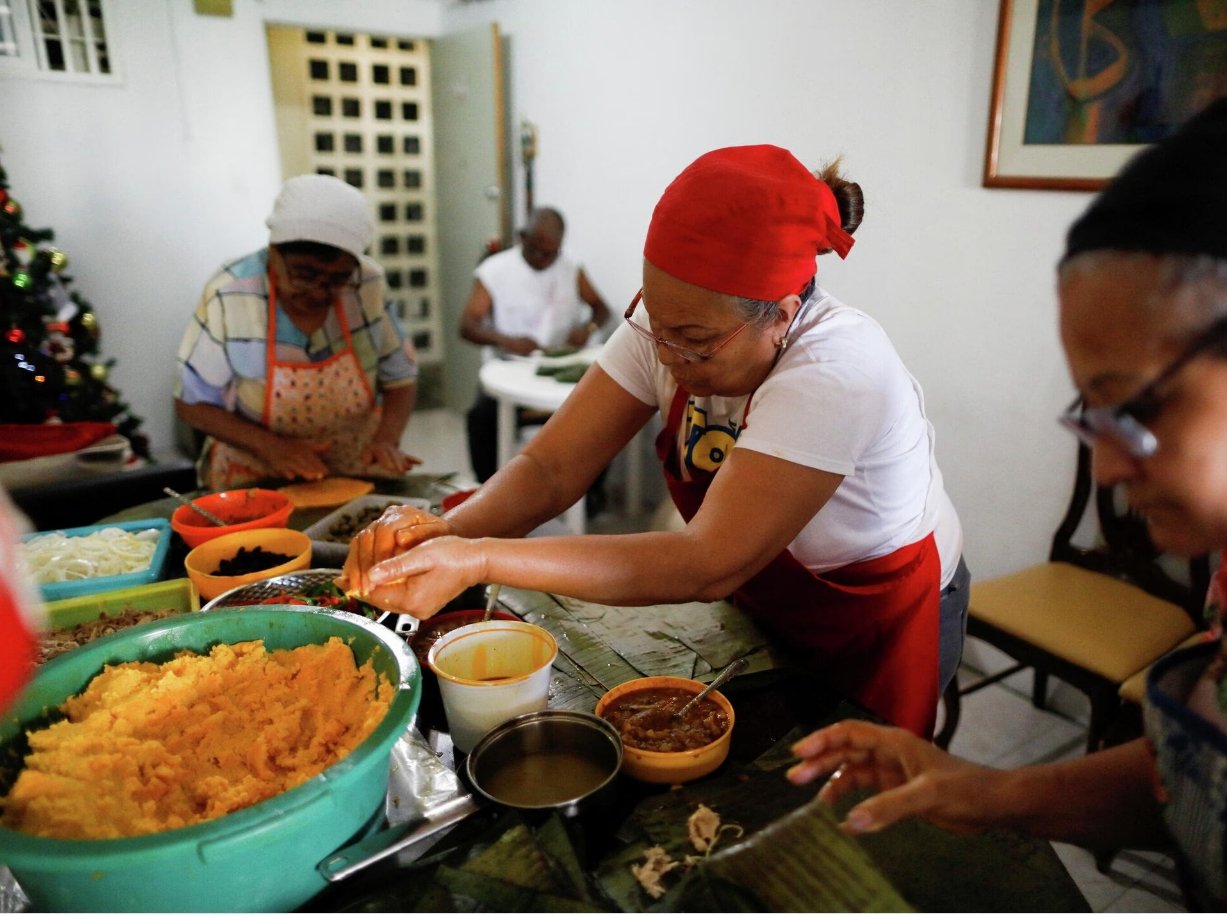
{"points": [[149, 185]]}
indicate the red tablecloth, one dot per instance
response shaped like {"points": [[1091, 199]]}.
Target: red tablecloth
{"points": [[22, 441]]}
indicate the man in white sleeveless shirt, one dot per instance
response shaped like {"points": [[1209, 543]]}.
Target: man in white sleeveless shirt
{"points": [[527, 298]]}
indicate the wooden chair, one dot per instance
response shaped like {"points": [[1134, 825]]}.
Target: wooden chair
{"points": [[1090, 616]]}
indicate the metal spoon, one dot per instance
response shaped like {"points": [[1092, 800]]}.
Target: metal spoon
{"points": [[491, 601], [194, 507], [723, 677]]}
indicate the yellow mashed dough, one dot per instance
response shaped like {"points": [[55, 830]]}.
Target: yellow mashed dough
{"points": [[149, 747]]}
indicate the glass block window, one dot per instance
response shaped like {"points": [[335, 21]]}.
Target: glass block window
{"points": [[361, 110]]}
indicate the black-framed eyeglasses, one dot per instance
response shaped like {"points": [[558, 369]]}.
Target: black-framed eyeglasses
{"points": [[306, 278], [1125, 422], [684, 352]]}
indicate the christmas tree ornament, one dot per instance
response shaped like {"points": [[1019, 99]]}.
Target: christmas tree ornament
{"points": [[98, 371], [89, 321], [22, 280], [23, 251], [13, 208], [72, 377], [58, 344], [58, 260], [15, 335]]}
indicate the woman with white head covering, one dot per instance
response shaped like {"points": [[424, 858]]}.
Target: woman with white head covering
{"points": [[293, 366]]}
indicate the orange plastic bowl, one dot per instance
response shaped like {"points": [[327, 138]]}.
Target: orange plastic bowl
{"points": [[203, 561], [672, 768], [244, 509]]}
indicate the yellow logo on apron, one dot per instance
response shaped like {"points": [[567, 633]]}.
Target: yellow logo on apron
{"points": [[706, 446]]}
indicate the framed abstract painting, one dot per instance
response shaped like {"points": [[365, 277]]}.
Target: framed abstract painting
{"points": [[1079, 86]]}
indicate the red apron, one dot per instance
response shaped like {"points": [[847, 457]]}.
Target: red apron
{"points": [[871, 628], [328, 401]]}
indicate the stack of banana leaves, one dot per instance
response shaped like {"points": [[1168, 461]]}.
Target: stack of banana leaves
{"points": [[775, 849], [771, 846], [569, 372]]}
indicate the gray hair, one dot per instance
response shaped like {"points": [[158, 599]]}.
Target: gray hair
{"points": [[761, 312]]}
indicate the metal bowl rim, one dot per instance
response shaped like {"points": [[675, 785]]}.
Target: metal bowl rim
{"points": [[585, 719]]}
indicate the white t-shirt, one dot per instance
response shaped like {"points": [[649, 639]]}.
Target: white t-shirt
{"points": [[542, 304], [839, 400]]}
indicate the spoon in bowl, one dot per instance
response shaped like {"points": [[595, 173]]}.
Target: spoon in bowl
{"points": [[721, 678], [491, 601], [194, 507]]}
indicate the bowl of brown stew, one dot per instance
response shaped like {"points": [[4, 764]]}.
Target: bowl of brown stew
{"points": [[656, 745]]}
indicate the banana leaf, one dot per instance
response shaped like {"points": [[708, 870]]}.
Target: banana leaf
{"points": [[493, 895], [570, 374], [616, 644]]}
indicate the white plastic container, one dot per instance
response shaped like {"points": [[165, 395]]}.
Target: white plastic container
{"points": [[491, 672]]}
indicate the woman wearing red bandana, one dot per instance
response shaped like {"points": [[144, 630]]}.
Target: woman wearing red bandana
{"points": [[795, 445]]}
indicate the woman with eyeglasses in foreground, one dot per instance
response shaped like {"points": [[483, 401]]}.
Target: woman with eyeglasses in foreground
{"points": [[1143, 320], [293, 366], [795, 445]]}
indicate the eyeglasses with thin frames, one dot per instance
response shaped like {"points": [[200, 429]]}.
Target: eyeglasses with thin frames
{"points": [[306, 278], [684, 352], [1125, 422]]}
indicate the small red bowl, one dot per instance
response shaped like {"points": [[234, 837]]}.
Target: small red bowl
{"points": [[430, 712], [451, 501], [433, 629], [243, 509]]}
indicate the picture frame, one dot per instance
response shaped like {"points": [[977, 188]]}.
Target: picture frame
{"points": [[1052, 126]]}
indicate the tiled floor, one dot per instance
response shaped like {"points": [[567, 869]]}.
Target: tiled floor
{"points": [[999, 727]]}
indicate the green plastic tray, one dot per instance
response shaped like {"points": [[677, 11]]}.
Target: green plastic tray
{"points": [[176, 594]]}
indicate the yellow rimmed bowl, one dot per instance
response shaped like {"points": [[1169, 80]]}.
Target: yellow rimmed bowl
{"points": [[677, 767]]}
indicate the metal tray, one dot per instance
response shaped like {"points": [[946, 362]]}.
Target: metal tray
{"points": [[333, 552], [257, 591]]}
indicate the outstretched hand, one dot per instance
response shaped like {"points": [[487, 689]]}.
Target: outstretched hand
{"points": [[387, 458], [399, 528], [912, 778], [290, 460], [422, 580]]}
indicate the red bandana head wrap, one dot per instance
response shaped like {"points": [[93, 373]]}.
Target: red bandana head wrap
{"points": [[746, 221]]}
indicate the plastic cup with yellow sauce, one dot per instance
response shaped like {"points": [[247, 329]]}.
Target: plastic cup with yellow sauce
{"points": [[491, 672]]}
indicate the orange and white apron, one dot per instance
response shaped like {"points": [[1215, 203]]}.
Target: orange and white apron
{"points": [[329, 401], [869, 628]]}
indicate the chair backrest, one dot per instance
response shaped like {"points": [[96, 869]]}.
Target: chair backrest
{"points": [[1124, 550]]}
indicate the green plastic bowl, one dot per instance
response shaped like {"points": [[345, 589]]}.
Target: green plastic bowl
{"points": [[262, 858]]}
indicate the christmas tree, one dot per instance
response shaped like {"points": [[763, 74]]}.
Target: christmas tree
{"points": [[50, 367]]}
